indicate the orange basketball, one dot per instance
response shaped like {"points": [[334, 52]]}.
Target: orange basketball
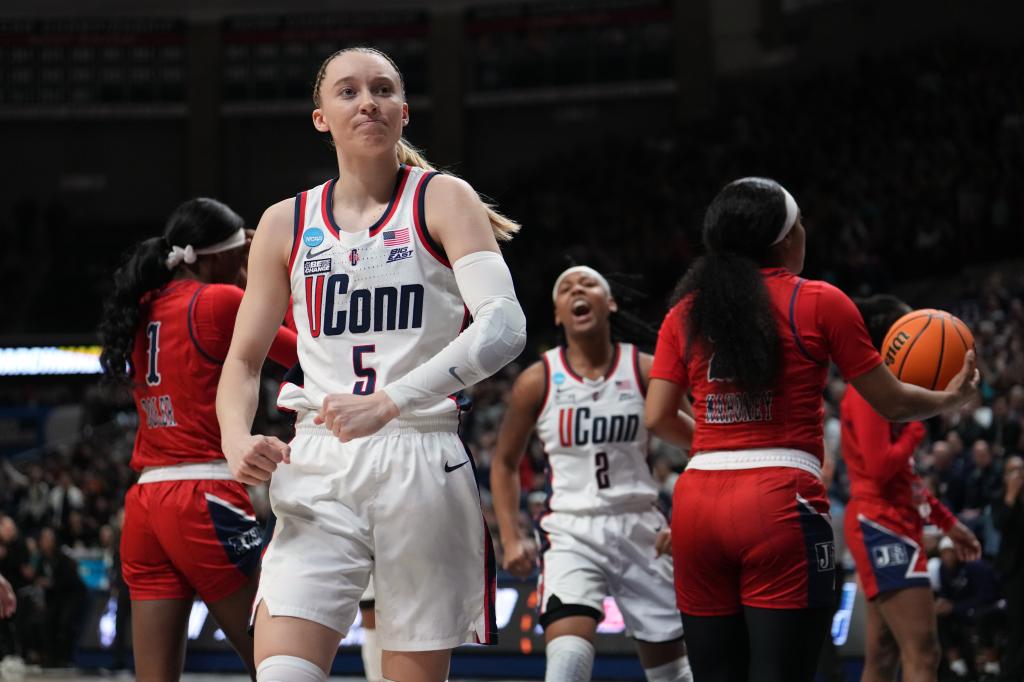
{"points": [[927, 347]]}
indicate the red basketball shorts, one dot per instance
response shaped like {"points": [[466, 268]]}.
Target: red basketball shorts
{"points": [[885, 542], [184, 537], [758, 537]]}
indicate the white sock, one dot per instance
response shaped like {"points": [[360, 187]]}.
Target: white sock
{"points": [[289, 669], [570, 659], [992, 668], [673, 671], [371, 656], [959, 667]]}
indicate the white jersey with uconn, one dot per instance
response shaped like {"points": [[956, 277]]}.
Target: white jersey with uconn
{"points": [[402, 504], [369, 306], [598, 535], [594, 436]]}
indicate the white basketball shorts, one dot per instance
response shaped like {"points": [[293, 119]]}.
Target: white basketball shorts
{"points": [[401, 504], [588, 557]]}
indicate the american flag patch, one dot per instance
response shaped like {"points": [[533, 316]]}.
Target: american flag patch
{"points": [[396, 237], [622, 385]]}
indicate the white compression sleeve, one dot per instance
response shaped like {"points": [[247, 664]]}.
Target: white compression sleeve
{"points": [[289, 669], [495, 338], [673, 671], [569, 659], [371, 654]]}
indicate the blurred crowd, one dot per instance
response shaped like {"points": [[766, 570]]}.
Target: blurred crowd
{"points": [[902, 168]]}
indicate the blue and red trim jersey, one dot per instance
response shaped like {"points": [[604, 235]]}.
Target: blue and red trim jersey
{"points": [[817, 323], [879, 459], [176, 363]]}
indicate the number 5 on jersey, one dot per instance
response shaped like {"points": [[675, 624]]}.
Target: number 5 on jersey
{"points": [[368, 383]]}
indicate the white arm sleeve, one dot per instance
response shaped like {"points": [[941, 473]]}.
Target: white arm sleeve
{"points": [[495, 338]]}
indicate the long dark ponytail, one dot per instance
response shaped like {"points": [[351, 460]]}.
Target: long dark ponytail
{"points": [[730, 310], [197, 222]]}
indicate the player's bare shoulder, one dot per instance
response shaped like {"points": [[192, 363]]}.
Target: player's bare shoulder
{"points": [[530, 387], [276, 229]]}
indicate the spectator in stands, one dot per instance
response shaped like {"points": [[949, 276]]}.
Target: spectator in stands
{"points": [[1007, 429], [64, 498], [948, 475], [983, 486], [64, 594], [967, 608], [1008, 515], [35, 503]]}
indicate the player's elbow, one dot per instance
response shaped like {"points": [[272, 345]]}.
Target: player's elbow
{"points": [[502, 335]]}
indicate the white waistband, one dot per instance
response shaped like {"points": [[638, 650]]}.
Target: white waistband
{"points": [[729, 460], [443, 423], [214, 470]]}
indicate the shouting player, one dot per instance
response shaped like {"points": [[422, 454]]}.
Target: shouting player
{"points": [[600, 528]]}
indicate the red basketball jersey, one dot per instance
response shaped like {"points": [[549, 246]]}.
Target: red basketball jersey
{"points": [[176, 362], [879, 460], [817, 323]]}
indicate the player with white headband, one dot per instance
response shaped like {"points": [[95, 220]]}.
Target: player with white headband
{"points": [[751, 341], [188, 527], [601, 533]]}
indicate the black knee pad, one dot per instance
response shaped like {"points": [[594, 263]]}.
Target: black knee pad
{"points": [[557, 610]]}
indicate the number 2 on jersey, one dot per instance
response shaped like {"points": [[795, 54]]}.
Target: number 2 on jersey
{"points": [[368, 383], [601, 462], [153, 334]]}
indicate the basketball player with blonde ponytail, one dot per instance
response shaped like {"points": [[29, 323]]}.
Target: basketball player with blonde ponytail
{"points": [[401, 299]]}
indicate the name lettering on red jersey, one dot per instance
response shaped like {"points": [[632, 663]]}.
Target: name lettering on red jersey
{"points": [[159, 412], [736, 408]]}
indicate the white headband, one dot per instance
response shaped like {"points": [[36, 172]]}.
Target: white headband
{"points": [[792, 210], [585, 269], [188, 254]]}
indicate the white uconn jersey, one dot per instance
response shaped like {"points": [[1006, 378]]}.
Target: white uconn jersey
{"points": [[594, 436], [369, 306]]}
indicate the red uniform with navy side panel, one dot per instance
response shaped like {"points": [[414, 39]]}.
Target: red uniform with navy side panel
{"points": [[192, 529], [750, 533], [889, 503]]}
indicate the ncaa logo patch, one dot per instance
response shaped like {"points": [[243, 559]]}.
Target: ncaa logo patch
{"points": [[558, 378], [314, 236]]}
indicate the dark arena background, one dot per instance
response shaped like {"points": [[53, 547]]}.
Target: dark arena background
{"points": [[605, 127]]}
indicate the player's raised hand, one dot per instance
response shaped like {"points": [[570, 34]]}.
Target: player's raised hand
{"points": [[354, 416], [520, 557], [252, 459]]}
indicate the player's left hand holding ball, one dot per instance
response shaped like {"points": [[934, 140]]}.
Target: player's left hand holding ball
{"points": [[252, 459], [354, 416]]}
